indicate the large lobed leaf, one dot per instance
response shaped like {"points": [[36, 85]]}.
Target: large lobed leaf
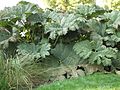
{"points": [[65, 54], [83, 49], [95, 52], [20, 14], [60, 24], [113, 18], [97, 26], [19, 10], [89, 11], [36, 51], [85, 9]]}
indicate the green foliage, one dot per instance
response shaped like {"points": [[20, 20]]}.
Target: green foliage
{"points": [[4, 34], [86, 34], [65, 54], [12, 72], [83, 49], [16, 75], [113, 18], [21, 10], [3, 82], [94, 52], [96, 26], [21, 19], [34, 51], [87, 10], [60, 24], [93, 24]]}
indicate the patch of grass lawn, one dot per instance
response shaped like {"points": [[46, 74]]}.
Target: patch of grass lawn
{"points": [[97, 81]]}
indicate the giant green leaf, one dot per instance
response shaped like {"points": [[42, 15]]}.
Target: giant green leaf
{"points": [[65, 54], [114, 18], [103, 56], [61, 25], [95, 52], [97, 26], [83, 49], [19, 10], [35, 51], [89, 11]]}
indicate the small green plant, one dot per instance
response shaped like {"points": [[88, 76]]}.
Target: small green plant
{"points": [[3, 81], [12, 73]]}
